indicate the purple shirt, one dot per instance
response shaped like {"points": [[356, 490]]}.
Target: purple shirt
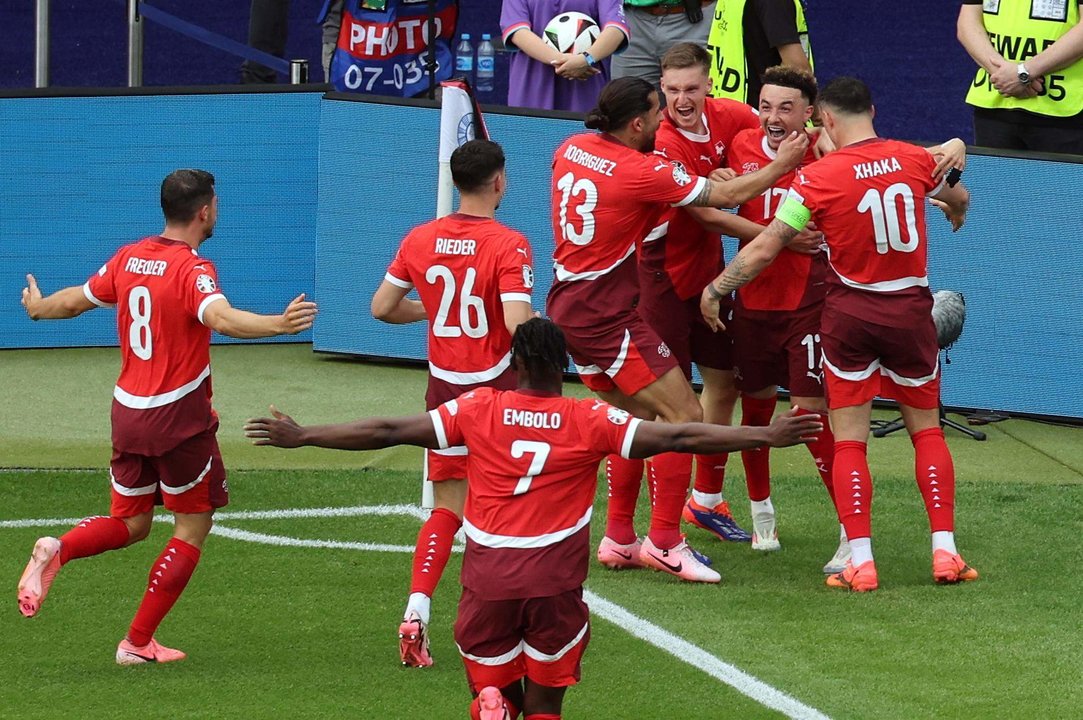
{"points": [[534, 84]]}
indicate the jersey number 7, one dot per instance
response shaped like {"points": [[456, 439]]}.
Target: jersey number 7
{"points": [[540, 452]]}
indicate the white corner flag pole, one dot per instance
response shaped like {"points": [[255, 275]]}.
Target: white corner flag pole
{"points": [[460, 121]]}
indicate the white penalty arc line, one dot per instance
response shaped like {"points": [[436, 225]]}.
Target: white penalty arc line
{"points": [[634, 625]]}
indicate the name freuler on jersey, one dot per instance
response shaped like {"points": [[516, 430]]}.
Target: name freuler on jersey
{"points": [[146, 267]]}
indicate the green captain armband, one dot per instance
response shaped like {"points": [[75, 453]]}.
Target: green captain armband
{"points": [[793, 213]]}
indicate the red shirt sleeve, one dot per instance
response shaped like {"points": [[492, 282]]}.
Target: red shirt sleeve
{"points": [[449, 419], [657, 179], [398, 272], [199, 287], [516, 269], [101, 288], [609, 430]]}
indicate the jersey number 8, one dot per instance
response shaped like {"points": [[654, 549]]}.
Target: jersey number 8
{"points": [[139, 335]]}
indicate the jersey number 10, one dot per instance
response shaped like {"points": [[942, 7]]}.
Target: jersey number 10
{"points": [[886, 223]]}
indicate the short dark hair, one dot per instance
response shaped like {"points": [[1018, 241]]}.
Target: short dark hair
{"points": [[686, 55], [184, 192], [538, 347], [620, 101], [847, 95], [474, 163], [790, 77]]}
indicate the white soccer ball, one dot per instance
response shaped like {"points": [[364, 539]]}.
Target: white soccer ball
{"points": [[571, 32]]}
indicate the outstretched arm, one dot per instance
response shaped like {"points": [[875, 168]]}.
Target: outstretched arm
{"points": [[61, 305], [366, 434], [652, 438], [228, 320]]}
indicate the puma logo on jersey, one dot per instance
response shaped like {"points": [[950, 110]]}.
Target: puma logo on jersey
{"points": [[707, 159], [876, 168], [146, 267], [455, 246]]}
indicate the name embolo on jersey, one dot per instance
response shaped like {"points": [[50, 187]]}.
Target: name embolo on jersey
{"points": [[868, 199], [689, 254], [607, 198], [161, 289], [793, 280], [533, 475], [464, 267]]}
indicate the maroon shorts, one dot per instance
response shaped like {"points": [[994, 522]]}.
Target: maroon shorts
{"points": [[680, 324], [627, 354], [503, 641], [778, 349], [863, 360], [450, 464], [190, 478]]}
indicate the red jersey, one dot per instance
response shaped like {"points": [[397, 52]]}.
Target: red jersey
{"points": [[868, 199], [533, 474], [793, 280], [690, 255], [606, 199], [464, 267], [161, 289]]}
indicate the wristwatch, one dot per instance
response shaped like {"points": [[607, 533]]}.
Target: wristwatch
{"points": [[1024, 76], [589, 58]]}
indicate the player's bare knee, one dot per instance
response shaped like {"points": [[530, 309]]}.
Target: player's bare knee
{"points": [[685, 413], [193, 528], [450, 495], [138, 527]]}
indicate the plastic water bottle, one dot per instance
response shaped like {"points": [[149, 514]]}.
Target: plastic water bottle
{"points": [[486, 63], [464, 58]]}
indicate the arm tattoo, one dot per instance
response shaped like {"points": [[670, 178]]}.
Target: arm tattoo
{"points": [[704, 197], [782, 231], [734, 276]]}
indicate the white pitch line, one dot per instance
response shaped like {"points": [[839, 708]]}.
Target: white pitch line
{"points": [[634, 625], [697, 657]]}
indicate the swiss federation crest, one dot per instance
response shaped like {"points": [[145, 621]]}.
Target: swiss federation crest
{"points": [[205, 284], [617, 416], [680, 175]]}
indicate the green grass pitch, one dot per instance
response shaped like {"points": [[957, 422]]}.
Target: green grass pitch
{"points": [[310, 632]]}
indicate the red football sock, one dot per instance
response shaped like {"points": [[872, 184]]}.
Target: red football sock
{"points": [[624, 478], [93, 536], [757, 462], [935, 474], [671, 473], [433, 550], [541, 716], [823, 452], [168, 577], [853, 488], [711, 473]]}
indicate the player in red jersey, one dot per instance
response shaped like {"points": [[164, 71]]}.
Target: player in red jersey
{"points": [[474, 276], [876, 328], [523, 626], [673, 268], [164, 446], [608, 197]]}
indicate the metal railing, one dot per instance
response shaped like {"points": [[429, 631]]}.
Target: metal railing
{"points": [[297, 70]]}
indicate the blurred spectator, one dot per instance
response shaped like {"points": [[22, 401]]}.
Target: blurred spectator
{"points": [[654, 27], [1024, 99], [749, 36], [332, 23], [268, 24], [541, 77]]}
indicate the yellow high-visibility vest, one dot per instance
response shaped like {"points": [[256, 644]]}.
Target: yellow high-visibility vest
{"points": [[1019, 30], [726, 44]]}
